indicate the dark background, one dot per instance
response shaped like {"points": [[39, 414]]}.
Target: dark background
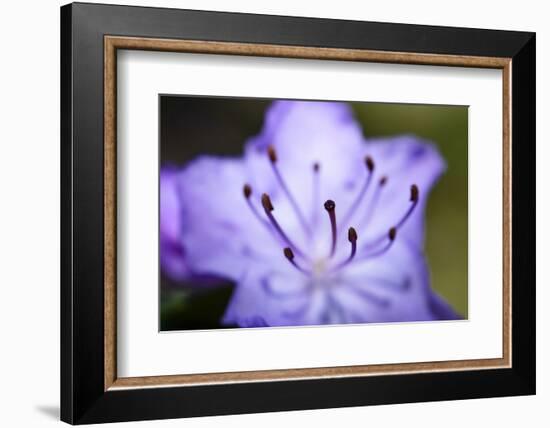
{"points": [[192, 125]]}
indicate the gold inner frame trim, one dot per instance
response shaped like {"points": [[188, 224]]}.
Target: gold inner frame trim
{"points": [[113, 43]]}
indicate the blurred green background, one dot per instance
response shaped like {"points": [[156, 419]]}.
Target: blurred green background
{"points": [[187, 130]]}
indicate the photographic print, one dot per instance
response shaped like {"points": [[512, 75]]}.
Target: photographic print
{"points": [[300, 199], [279, 213]]}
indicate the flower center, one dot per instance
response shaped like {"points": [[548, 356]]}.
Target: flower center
{"points": [[318, 268]]}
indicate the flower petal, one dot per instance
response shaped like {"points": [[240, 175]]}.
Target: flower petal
{"points": [[172, 258], [404, 161], [394, 287], [219, 229], [304, 133], [278, 298]]}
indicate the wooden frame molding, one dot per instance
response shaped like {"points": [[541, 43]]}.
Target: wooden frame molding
{"points": [[113, 43]]}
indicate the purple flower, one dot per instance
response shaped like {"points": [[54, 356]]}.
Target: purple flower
{"points": [[314, 224]]}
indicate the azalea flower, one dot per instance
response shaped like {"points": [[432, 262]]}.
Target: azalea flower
{"points": [[314, 223]]}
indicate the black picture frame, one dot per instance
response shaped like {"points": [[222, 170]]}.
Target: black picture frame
{"points": [[83, 396]]}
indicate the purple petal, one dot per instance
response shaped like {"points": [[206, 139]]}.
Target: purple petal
{"points": [[404, 161], [393, 287], [278, 304], [219, 229], [304, 133], [172, 252]]}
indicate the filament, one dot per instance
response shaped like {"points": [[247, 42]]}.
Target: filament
{"points": [[268, 208], [247, 191], [272, 154], [330, 206], [369, 163], [289, 254], [315, 195], [414, 197], [352, 238], [374, 202], [391, 238]]}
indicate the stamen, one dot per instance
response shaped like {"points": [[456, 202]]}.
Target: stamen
{"points": [[330, 206], [272, 154], [352, 238], [414, 199], [247, 191], [374, 202], [316, 196], [289, 254], [415, 195], [268, 208], [369, 163], [391, 238]]}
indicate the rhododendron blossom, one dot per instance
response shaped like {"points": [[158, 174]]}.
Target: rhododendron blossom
{"points": [[315, 224]]}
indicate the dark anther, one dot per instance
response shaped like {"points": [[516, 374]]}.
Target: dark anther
{"points": [[352, 235], [247, 191], [272, 154], [330, 205], [289, 254], [369, 163], [414, 193], [392, 233], [266, 203]]}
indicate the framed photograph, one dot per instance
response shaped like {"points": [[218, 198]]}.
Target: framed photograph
{"points": [[266, 213]]}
